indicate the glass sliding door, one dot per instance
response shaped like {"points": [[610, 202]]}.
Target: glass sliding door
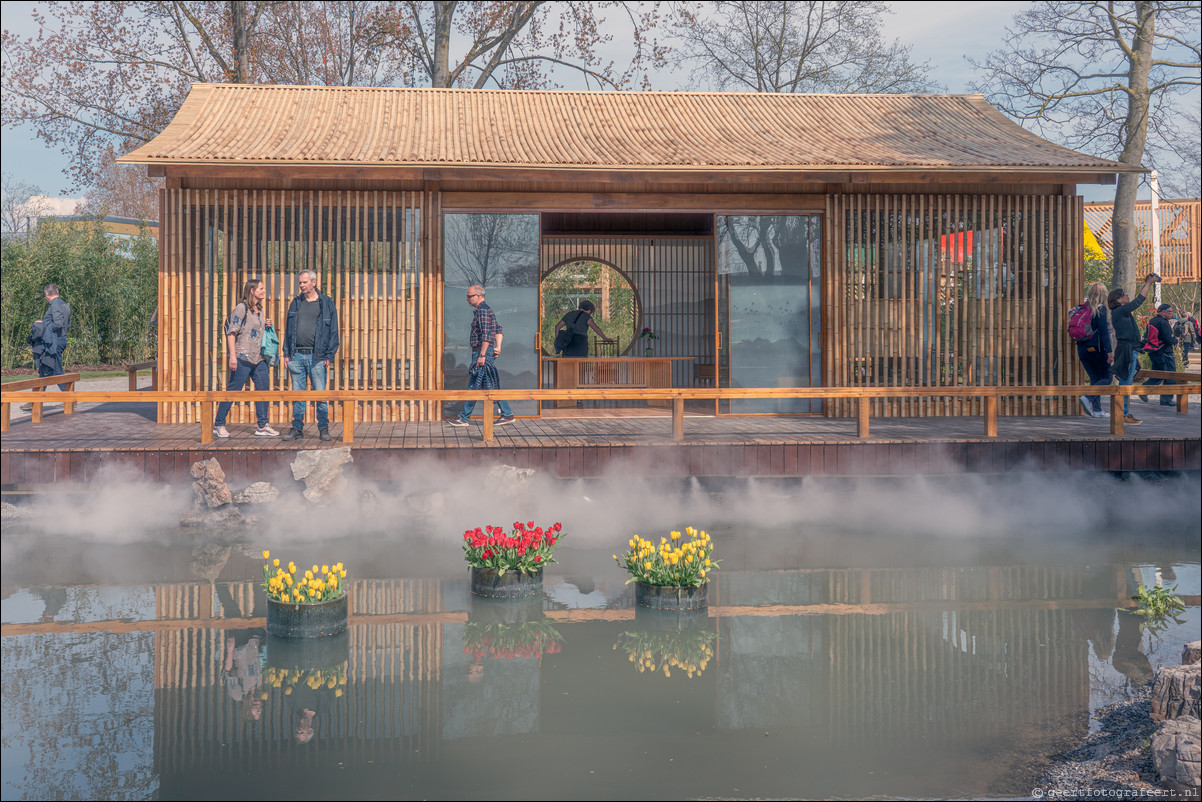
{"points": [[769, 273], [500, 253]]}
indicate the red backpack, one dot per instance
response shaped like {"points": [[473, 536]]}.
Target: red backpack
{"points": [[1152, 341], [1080, 323]]}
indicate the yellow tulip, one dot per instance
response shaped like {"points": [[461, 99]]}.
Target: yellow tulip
{"points": [[266, 554], [275, 562], [325, 569]]}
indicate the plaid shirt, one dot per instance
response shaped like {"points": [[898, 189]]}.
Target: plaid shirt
{"points": [[485, 327]]}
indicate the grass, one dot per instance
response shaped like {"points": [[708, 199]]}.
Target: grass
{"points": [[91, 374]]}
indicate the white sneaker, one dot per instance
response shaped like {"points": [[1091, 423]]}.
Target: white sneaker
{"points": [[266, 431], [1085, 405], [1100, 413], [220, 431]]}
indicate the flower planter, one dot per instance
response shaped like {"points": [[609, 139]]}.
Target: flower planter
{"points": [[668, 597], [314, 620], [309, 654], [504, 610], [513, 585], [650, 352]]}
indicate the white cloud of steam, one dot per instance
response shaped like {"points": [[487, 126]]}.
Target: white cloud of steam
{"points": [[412, 524]]}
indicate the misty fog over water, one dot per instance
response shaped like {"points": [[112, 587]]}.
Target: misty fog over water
{"points": [[911, 637]]}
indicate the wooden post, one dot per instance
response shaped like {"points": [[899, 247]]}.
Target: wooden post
{"points": [[5, 417], [991, 416], [487, 411], [1182, 401], [862, 408], [206, 420], [1116, 414], [348, 422], [36, 414], [69, 406], [132, 373], [678, 419]]}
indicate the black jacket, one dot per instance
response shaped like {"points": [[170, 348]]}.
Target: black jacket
{"points": [[325, 339]]}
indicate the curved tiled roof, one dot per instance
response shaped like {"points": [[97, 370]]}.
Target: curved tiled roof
{"points": [[312, 125]]}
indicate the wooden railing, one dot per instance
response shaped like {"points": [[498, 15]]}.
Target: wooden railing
{"points": [[132, 372], [38, 386], [676, 396]]}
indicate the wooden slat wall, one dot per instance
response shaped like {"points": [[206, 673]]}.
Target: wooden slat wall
{"points": [[1180, 224], [899, 310], [367, 248], [675, 282]]}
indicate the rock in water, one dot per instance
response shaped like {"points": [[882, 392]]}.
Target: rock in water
{"points": [[209, 489], [1177, 692], [224, 517], [1177, 753], [1192, 653], [507, 479], [321, 470], [256, 493]]}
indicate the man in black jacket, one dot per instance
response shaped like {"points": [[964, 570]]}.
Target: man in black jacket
{"points": [[310, 342], [1162, 357], [1126, 336]]}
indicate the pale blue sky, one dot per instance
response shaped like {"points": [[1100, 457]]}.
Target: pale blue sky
{"points": [[942, 33]]}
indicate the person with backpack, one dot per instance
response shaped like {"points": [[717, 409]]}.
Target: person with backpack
{"points": [[1159, 342], [1089, 326], [571, 333], [244, 352], [1126, 337]]}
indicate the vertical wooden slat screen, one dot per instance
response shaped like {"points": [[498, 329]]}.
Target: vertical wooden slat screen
{"points": [[675, 281], [951, 290], [371, 259]]}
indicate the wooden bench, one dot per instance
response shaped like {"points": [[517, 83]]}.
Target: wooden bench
{"points": [[132, 372], [38, 386]]}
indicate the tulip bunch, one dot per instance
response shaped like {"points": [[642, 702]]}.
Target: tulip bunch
{"points": [[287, 679], [509, 641], [687, 650], [675, 562], [316, 584], [527, 548]]}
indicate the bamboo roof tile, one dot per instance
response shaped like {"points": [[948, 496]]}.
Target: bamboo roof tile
{"points": [[719, 131]]}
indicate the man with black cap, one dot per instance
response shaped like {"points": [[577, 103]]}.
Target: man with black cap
{"points": [[1162, 355]]}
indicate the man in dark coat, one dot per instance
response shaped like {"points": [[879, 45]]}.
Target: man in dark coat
{"points": [[1162, 357]]}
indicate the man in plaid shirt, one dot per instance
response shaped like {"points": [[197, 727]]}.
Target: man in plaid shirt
{"points": [[485, 341]]}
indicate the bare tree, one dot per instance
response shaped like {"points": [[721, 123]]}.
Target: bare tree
{"points": [[788, 46], [490, 249], [519, 45], [122, 190], [21, 204], [1099, 76]]}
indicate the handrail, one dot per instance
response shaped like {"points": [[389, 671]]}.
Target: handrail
{"points": [[132, 371], [39, 386], [677, 395]]}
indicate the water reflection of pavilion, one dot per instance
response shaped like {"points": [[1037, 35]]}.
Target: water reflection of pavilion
{"points": [[944, 656]]}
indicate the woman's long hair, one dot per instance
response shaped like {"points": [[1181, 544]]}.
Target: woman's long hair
{"points": [[248, 294], [1095, 296]]}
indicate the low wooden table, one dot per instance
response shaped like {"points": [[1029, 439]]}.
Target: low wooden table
{"points": [[614, 371]]}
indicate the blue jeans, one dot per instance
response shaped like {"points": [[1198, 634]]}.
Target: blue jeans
{"points": [[245, 370], [1098, 369], [308, 374], [1163, 360], [469, 406]]}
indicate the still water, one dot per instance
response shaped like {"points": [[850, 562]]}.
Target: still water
{"points": [[834, 662]]}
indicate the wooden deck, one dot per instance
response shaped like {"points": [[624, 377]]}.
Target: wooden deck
{"points": [[101, 439]]}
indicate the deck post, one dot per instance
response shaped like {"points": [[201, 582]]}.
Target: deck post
{"points": [[862, 408], [69, 406], [487, 412], [991, 416], [36, 414], [678, 418], [348, 422], [206, 420], [1116, 414]]}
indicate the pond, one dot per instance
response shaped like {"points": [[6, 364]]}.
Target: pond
{"points": [[900, 639]]}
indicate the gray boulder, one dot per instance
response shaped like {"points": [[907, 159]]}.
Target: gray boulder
{"points": [[256, 493], [1177, 754], [1192, 653], [1177, 692], [321, 471], [227, 517], [425, 503], [209, 488], [508, 480]]}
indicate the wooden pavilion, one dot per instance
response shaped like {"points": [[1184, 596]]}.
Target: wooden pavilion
{"points": [[767, 240]]}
